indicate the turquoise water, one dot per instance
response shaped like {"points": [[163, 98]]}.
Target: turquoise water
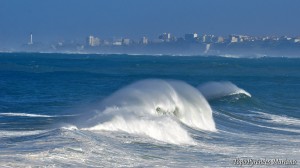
{"points": [[144, 111]]}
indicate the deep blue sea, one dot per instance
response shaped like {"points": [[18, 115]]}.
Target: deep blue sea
{"points": [[85, 110]]}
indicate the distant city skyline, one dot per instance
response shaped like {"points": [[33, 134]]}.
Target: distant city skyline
{"points": [[93, 41], [55, 20], [166, 43]]}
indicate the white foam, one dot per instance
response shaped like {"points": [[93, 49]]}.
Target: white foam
{"points": [[270, 118], [162, 129], [134, 110], [284, 120], [24, 115], [12, 114], [20, 133], [214, 90], [69, 127], [230, 56]]}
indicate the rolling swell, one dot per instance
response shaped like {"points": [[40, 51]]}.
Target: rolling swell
{"points": [[40, 88], [215, 90]]}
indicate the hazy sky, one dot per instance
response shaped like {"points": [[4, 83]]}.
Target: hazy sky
{"points": [[53, 20]]}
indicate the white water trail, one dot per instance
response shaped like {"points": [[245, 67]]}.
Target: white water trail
{"points": [[215, 90], [283, 120], [10, 134], [15, 114], [25, 115], [155, 108]]}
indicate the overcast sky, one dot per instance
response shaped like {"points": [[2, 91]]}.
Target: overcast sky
{"points": [[53, 20]]}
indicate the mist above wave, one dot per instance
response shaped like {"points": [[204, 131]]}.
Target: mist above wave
{"points": [[215, 90], [154, 108]]}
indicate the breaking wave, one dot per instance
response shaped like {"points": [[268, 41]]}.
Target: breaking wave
{"points": [[154, 108], [215, 90]]}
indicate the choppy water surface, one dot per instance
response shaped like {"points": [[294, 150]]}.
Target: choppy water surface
{"points": [[147, 111]]}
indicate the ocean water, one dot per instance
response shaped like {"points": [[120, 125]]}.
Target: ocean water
{"points": [[84, 110]]}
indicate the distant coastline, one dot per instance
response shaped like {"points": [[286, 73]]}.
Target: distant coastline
{"points": [[91, 54], [166, 44]]}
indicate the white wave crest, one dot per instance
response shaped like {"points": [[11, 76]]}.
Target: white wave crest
{"points": [[163, 129], [214, 90], [284, 120], [20, 133], [69, 127], [155, 108], [13, 114], [24, 115]]}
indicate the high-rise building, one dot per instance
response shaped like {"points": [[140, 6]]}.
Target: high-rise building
{"points": [[117, 42], [165, 37], [191, 37], [220, 39], [297, 40], [144, 40], [96, 41], [93, 41], [31, 39], [233, 39], [126, 41], [207, 38]]}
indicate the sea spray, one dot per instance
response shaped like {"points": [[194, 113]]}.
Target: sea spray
{"points": [[155, 108], [67, 90], [215, 90]]}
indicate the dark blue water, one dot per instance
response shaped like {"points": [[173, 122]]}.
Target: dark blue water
{"points": [[58, 110]]}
